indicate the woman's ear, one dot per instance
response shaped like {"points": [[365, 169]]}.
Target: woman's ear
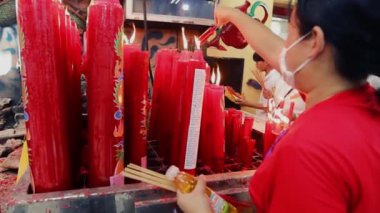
{"points": [[317, 39]]}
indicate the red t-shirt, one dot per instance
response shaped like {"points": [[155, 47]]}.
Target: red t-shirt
{"points": [[329, 161]]}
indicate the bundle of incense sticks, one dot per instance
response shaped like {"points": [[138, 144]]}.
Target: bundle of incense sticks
{"points": [[135, 172], [138, 173], [259, 77]]}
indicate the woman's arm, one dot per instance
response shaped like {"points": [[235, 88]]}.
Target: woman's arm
{"points": [[260, 38], [243, 102]]}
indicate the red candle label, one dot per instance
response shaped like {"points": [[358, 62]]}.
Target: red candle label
{"points": [[195, 120], [118, 100]]}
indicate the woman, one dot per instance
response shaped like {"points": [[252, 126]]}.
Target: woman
{"points": [[329, 160]]}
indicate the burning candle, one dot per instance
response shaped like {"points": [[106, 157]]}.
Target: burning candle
{"points": [[136, 68], [105, 89], [185, 54], [198, 55], [190, 115], [46, 118], [212, 148]]}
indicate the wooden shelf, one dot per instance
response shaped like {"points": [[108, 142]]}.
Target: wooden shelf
{"points": [[283, 3]]}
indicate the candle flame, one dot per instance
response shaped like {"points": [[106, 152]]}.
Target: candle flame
{"points": [[213, 78], [184, 39], [125, 39], [197, 43], [133, 36], [218, 76]]}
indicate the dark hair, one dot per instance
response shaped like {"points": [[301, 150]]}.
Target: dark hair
{"points": [[257, 57], [352, 27]]}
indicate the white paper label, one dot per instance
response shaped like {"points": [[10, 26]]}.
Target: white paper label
{"points": [[195, 119]]}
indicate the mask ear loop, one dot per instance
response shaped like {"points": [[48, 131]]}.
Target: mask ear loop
{"points": [[300, 67], [298, 41]]}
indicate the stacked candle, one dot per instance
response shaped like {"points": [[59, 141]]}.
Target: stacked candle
{"points": [[278, 121], [235, 120], [105, 89], [50, 57], [239, 142], [136, 91], [177, 107]]}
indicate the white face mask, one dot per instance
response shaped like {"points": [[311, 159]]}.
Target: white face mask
{"points": [[288, 75]]}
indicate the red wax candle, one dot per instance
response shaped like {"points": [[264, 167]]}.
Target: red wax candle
{"points": [[212, 140], [190, 115], [198, 55], [269, 136], [43, 94], [176, 97], [247, 127], [246, 132], [185, 55], [70, 38], [105, 89], [160, 100], [236, 130], [290, 112], [249, 150], [228, 125], [136, 64]]}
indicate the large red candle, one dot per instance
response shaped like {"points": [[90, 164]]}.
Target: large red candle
{"points": [[160, 100], [43, 94], [190, 115], [173, 112], [168, 108], [212, 140], [105, 89], [136, 64]]}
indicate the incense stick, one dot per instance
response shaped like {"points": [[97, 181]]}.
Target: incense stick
{"points": [[147, 176], [142, 169], [259, 77], [135, 177], [150, 177]]}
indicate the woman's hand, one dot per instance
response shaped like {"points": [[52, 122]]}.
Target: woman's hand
{"points": [[197, 201], [223, 15], [267, 94], [242, 101]]}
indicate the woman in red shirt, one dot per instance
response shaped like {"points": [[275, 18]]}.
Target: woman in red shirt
{"points": [[329, 159]]}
